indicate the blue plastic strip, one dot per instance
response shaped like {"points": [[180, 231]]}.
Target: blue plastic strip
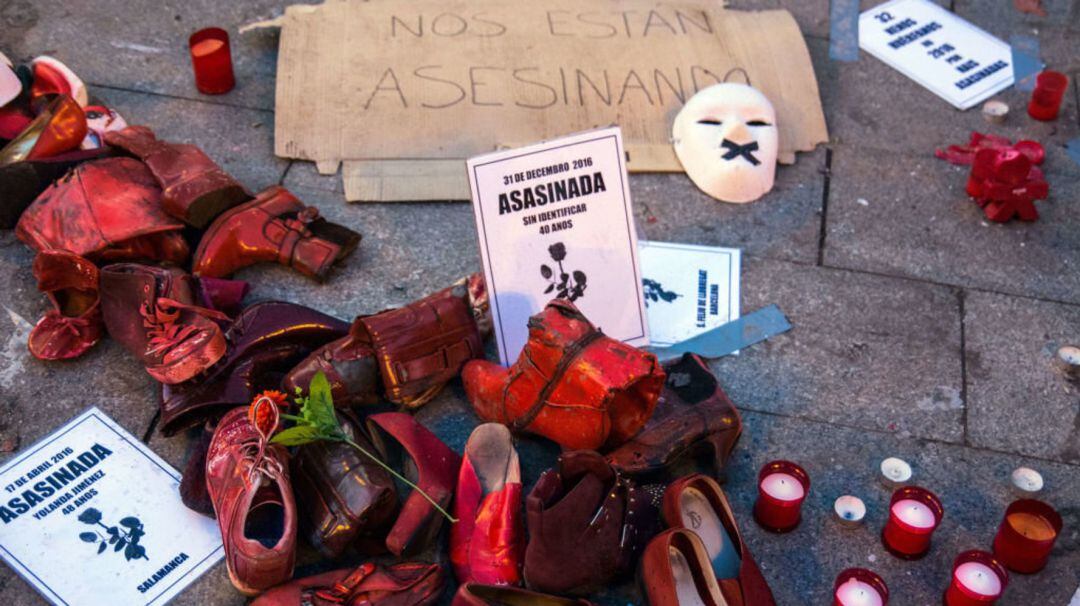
{"points": [[844, 30], [731, 337], [1026, 61]]}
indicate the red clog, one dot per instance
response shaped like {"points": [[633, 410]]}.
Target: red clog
{"points": [[487, 543]]}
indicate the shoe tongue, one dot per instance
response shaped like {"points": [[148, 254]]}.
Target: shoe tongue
{"points": [[267, 494]]}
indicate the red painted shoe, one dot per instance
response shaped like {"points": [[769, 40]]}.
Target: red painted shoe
{"points": [[487, 544], [100, 209], [274, 227], [51, 77], [152, 312], [571, 384], [675, 572], [60, 127], [194, 188], [436, 467], [74, 324], [248, 482], [475, 594], [370, 584], [697, 504]]}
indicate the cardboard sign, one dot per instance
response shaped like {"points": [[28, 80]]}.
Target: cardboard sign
{"points": [[954, 59], [391, 87], [89, 516], [688, 289], [554, 220]]}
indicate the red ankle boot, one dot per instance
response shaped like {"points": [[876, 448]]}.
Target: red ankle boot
{"points": [[74, 325], [274, 227], [194, 188], [151, 311]]}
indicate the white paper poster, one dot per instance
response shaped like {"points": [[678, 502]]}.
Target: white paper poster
{"points": [[688, 289], [91, 517], [554, 220], [956, 60]]}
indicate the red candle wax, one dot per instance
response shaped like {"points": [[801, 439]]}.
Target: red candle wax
{"points": [[1049, 91], [914, 514], [212, 61], [782, 488], [1027, 535], [978, 579]]}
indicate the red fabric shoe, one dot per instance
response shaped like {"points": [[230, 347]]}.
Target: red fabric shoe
{"points": [[487, 544], [274, 227], [248, 482], [74, 324], [436, 467], [571, 384]]}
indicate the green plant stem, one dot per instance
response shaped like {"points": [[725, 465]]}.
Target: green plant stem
{"points": [[293, 418], [397, 475]]}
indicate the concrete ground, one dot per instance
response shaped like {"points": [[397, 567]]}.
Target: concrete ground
{"points": [[920, 331]]}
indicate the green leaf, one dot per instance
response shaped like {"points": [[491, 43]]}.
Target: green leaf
{"points": [[319, 409], [296, 436]]}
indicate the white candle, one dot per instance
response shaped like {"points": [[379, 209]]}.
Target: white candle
{"points": [[783, 486], [850, 509], [979, 578], [1027, 479], [896, 470], [854, 592], [914, 513]]}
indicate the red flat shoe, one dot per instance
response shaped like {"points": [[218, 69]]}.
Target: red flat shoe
{"points": [[487, 544], [370, 584], [696, 503], [74, 323], [675, 571], [51, 77], [436, 467], [475, 594]]}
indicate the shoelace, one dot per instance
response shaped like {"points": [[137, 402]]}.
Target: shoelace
{"points": [[161, 323], [255, 449]]}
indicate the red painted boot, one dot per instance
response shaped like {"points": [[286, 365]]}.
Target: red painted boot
{"points": [[151, 311], [74, 324], [194, 188], [248, 482], [274, 227], [571, 383], [487, 544]]}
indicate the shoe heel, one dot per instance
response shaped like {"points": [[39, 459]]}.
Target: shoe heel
{"points": [[720, 445]]}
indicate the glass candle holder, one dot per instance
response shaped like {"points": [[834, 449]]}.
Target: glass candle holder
{"points": [[860, 587], [212, 61], [1027, 535], [1049, 91], [782, 488], [914, 514], [978, 579]]}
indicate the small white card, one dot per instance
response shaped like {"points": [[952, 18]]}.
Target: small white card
{"points": [[89, 516], [688, 289], [554, 220], [954, 59]]}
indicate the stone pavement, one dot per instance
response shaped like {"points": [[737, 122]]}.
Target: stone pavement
{"points": [[920, 331]]}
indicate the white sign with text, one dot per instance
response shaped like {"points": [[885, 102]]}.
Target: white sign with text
{"points": [[554, 220], [92, 517], [954, 59]]}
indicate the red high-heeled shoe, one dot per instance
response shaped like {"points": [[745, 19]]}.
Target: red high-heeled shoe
{"points": [[60, 127]]}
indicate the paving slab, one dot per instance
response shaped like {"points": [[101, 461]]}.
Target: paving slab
{"points": [[144, 47], [908, 215], [1017, 402], [973, 486], [864, 351], [240, 140]]}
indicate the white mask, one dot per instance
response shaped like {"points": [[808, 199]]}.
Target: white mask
{"points": [[726, 139]]}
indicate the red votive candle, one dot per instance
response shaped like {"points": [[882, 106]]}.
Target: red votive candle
{"points": [[1027, 535], [212, 61], [914, 513], [1046, 98], [860, 587], [782, 488], [978, 579]]}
